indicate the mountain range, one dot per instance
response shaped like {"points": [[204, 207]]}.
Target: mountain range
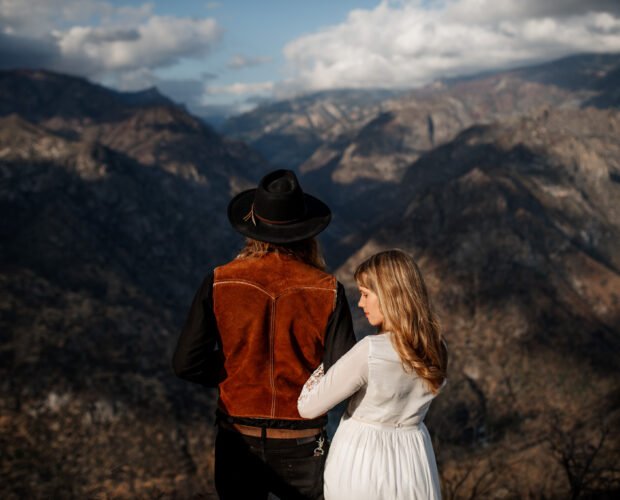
{"points": [[503, 186], [380, 139]]}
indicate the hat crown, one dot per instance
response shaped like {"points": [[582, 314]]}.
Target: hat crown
{"points": [[279, 198], [281, 185], [278, 211]]}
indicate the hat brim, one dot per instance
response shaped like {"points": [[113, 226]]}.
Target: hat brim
{"points": [[318, 215]]}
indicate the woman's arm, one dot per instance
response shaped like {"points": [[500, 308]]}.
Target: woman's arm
{"points": [[344, 378]]}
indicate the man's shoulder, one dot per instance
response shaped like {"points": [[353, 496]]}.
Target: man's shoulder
{"points": [[234, 267], [283, 271]]}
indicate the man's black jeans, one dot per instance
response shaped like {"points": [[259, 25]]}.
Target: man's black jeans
{"points": [[249, 468]]}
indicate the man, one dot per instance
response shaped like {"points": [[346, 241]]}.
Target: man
{"points": [[257, 328]]}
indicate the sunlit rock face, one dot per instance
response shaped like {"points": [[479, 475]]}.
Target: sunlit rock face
{"points": [[289, 132]]}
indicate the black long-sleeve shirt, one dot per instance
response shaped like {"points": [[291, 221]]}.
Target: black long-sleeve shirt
{"points": [[198, 359]]}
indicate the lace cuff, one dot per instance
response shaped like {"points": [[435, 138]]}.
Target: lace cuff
{"points": [[310, 384]]}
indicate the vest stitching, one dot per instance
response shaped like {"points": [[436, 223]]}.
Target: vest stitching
{"points": [[242, 282], [266, 292], [271, 360]]}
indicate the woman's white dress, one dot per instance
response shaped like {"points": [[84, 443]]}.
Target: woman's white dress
{"points": [[382, 449]]}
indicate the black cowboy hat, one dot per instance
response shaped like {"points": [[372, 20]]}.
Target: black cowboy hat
{"points": [[278, 211]]}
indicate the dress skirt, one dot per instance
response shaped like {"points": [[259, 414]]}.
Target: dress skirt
{"points": [[374, 461]]}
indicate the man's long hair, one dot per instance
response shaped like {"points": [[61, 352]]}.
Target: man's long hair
{"points": [[307, 251], [397, 281]]}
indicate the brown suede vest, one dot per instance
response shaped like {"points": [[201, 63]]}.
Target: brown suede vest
{"points": [[271, 313]]}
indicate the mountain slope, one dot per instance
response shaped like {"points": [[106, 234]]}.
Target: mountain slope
{"points": [[516, 226], [288, 132], [114, 207]]}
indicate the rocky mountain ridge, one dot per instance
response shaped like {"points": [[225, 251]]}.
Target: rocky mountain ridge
{"points": [[39, 95], [396, 131], [288, 132]]}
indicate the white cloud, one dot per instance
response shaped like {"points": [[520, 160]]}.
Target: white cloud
{"points": [[98, 39], [158, 42], [406, 43], [479, 11], [240, 88], [120, 46], [37, 18], [240, 61]]}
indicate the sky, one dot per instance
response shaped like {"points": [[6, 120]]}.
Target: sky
{"points": [[230, 55]]}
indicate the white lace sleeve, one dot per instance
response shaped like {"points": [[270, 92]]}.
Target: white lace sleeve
{"points": [[322, 392], [310, 384]]}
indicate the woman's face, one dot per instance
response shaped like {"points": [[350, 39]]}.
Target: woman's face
{"points": [[369, 302]]}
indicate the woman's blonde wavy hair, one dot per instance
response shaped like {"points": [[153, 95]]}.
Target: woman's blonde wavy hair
{"points": [[307, 251], [397, 281]]}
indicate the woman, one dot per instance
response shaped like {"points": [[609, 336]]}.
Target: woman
{"points": [[382, 450]]}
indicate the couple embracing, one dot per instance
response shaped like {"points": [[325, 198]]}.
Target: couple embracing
{"points": [[273, 331]]}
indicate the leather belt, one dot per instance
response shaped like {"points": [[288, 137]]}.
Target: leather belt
{"points": [[249, 430]]}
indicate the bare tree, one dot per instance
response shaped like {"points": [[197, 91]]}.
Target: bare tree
{"points": [[474, 479], [588, 453]]}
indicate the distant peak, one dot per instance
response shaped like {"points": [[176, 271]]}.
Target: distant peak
{"points": [[148, 96]]}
